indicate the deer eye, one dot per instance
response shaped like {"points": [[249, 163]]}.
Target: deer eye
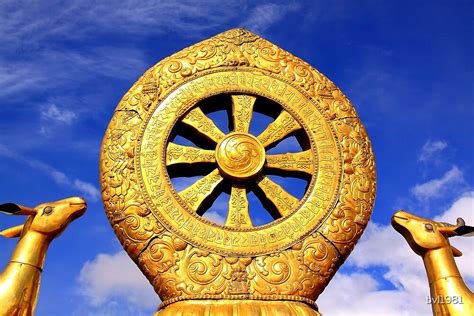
{"points": [[48, 210], [429, 227]]}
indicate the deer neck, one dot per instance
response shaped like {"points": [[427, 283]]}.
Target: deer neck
{"points": [[449, 293], [19, 282], [31, 249]]}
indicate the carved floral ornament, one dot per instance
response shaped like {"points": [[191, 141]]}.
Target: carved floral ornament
{"points": [[184, 255]]}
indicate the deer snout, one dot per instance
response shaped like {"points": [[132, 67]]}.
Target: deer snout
{"points": [[77, 200], [76, 206], [80, 211], [400, 221], [400, 217]]}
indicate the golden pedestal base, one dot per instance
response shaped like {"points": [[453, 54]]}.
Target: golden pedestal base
{"points": [[237, 307]]}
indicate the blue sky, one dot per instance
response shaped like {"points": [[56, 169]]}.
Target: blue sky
{"points": [[406, 66]]}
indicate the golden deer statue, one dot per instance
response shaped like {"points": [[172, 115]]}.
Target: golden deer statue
{"points": [[429, 239], [19, 282]]}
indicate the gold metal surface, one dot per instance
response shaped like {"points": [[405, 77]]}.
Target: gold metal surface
{"points": [[20, 280], [240, 307], [197, 265], [429, 239], [240, 156]]}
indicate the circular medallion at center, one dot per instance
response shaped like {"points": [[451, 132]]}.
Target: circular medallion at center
{"points": [[240, 156]]}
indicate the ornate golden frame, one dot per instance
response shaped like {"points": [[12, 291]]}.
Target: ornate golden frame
{"points": [[292, 262]]}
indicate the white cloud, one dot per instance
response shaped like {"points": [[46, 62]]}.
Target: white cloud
{"points": [[162, 16], [108, 61], [112, 308], [37, 22], [41, 67], [51, 112], [54, 69], [430, 149], [87, 188], [265, 15], [360, 293], [436, 187], [21, 76], [60, 178], [116, 278]]}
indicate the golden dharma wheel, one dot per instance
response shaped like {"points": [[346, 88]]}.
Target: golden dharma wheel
{"points": [[196, 264]]}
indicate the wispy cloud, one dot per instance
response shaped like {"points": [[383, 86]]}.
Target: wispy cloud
{"points": [[437, 187], [430, 149], [163, 16], [54, 70], [266, 15], [85, 188], [44, 64], [52, 112], [361, 293], [38, 21]]}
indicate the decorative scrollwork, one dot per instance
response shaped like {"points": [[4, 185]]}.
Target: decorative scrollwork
{"points": [[187, 257]]}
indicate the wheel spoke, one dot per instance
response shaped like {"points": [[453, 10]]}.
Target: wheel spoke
{"points": [[238, 215], [177, 154], [204, 125], [242, 107], [283, 201], [201, 189], [299, 162], [278, 129]]}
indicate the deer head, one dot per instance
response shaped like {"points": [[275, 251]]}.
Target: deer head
{"points": [[49, 218], [424, 234]]}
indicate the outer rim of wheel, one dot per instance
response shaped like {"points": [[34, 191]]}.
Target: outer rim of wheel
{"points": [[233, 250]]}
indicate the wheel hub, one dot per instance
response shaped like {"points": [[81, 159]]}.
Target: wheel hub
{"points": [[240, 156]]}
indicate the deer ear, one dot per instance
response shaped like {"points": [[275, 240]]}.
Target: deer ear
{"points": [[12, 232], [16, 209], [465, 231], [456, 252]]}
